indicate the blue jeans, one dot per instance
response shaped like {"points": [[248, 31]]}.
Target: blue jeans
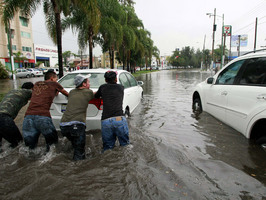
{"points": [[76, 134], [34, 125], [114, 127]]}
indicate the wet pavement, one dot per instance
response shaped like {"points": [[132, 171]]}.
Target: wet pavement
{"points": [[173, 155]]}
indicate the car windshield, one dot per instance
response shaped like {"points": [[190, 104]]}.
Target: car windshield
{"points": [[96, 79]]}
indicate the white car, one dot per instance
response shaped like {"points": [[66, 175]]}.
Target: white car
{"points": [[22, 73], [133, 94], [236, 95], [35, 72]]}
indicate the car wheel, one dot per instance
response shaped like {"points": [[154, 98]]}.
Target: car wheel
{"points": [[32, 75], [127, 113], [27, 76], [197, 107], [262, 142]]}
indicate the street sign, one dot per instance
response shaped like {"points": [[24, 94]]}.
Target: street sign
{"points": [[227, 29], [243, 40]]}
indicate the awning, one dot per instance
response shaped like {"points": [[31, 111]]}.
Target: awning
{"points": [[42, 58]]}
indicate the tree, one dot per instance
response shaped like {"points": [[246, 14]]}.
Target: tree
{"points": [[110, 32], [65, 56], [52, 10], [19, 57], [87, 24]]}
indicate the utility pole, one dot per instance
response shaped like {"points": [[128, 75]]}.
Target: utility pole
{"points": [[222, 43], [213, 40], [203, 54], [255, 41], [239, 36], [9, 36]]}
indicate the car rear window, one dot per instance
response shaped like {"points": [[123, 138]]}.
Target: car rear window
{"points": [[96, 79]]}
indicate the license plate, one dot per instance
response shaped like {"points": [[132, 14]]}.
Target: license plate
{"points": [[63, 107]]}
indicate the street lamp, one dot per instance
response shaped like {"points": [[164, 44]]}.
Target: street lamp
{"points": [[213, 35], [214, 29]]}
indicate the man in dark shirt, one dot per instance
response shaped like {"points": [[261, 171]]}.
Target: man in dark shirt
{"points": [[113, 123], [9, 109]]}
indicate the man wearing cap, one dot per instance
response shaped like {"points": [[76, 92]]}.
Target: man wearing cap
{"points": [[114, 124], [72, 124], [37, 117]]}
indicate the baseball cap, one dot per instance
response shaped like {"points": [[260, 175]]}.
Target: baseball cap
{"points": [[79, 79]]}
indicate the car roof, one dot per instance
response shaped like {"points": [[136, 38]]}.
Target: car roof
{"points": [[98, 70], [247, 56]]}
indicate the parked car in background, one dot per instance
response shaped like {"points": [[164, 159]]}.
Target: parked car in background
{"points": [[56, 70], [236, 95], [133, 93], [35, 72], [21, 73]]}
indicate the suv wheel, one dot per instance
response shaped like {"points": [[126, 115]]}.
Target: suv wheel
{"points": [[197, 107], [262, 142], [127, 113]]}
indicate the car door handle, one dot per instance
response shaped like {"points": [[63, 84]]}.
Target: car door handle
{"points": [[261, 96], [224, 93]]}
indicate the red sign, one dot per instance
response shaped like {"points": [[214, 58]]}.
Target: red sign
{"points": [[227, 29]]}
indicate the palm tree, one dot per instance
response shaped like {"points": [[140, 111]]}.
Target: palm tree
{"points": [[87, 24], [110, 32], [52, 11]]}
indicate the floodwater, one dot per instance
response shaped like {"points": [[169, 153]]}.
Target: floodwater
{"points": [[173, 155]]}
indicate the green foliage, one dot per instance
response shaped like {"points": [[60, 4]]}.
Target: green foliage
{"points": [[3, 72]]}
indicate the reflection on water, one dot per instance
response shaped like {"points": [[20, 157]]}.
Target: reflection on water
{"points": [[173, 155]]}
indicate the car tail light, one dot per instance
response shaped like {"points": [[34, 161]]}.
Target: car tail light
{"points": [[97, 102]]}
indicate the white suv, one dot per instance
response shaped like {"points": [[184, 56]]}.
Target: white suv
{"points": [[236, 95]]}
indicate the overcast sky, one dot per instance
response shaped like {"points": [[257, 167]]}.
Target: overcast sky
{"points": [[176, 24]]}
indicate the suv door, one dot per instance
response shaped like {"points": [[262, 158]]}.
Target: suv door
{"points": [[248, 96], [216, 95]]}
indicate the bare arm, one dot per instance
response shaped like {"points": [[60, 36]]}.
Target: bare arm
{"points": [[64, 92]]}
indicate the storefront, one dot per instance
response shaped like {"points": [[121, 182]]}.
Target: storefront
{"points": [[46, 54]]}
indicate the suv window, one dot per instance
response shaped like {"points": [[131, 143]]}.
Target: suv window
{"points": [[227, 76], [254, 72]]}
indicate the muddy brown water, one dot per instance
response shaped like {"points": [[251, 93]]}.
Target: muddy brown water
{"points": [[173, 155]]}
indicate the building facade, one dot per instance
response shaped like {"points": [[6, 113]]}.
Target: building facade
{"points": [[22, 42], [48, 55]]}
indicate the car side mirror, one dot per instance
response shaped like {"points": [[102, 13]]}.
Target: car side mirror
{"points": [[210, 80], [140, 83]]}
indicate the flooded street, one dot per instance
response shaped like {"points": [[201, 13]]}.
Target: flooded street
{"points": [[173, 155]]}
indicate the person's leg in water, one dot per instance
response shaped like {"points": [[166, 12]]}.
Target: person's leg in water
{"points": [[108, 136], [121, 130], [30, 132], [78, 136], [9, 130], [46, 127]]}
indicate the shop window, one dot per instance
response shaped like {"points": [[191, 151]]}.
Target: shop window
{"points": [[28, 49], [23, 21], [25, 34], [12, 33], [14, 47]]}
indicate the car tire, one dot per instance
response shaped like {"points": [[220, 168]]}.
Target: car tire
{"points": [[197, 107], [32, 75], [261, 141], [127, 113], [27, 76]]}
